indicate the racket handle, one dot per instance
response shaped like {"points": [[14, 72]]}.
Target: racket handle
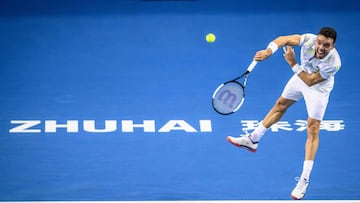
{"points": [[252, 66]]}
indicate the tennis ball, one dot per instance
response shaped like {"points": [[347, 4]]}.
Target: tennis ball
{"points": [[210, 38]]}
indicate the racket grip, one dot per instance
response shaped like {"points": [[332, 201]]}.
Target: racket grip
{"points": [[252, 66]]}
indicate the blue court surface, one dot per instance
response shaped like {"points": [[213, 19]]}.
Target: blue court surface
{"points": [[111, 101]]}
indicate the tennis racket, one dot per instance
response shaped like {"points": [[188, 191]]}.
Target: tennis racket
{"points": [[230, 95]]}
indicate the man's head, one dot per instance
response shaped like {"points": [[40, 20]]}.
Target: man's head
{"points": [[325, 42]]}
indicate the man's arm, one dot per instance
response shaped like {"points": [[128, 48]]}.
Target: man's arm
{"points": [[309, 79], [291, 40]]}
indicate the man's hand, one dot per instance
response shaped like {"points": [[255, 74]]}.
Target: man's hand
{"points": [[262, 55], [289, 55]]}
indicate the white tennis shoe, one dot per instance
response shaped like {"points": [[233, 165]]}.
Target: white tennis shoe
{"points": [[243, 142], [299, 191]]}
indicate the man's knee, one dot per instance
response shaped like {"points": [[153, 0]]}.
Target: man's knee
{"points": [[283, 104], [313, 127]]}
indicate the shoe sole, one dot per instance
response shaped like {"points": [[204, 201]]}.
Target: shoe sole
{"points": [[241, 146], [295, 198]]}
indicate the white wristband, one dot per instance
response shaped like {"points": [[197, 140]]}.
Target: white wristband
{"points": [[273, 46], [297, 69]]}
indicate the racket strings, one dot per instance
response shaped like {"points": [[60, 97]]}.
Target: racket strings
{"points": [[228, 97]]}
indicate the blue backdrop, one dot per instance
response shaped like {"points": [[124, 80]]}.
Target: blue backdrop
{"points": [[143, 73]]}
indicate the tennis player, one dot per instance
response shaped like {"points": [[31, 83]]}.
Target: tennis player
{"points": [[313, 80]]}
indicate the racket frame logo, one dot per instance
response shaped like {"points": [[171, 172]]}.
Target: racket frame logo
{"points": [[228, 96]]}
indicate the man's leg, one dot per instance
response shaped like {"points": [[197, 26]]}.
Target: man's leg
{"points": [[274, 115], [312, 142], [311, 147], [277, 111]]}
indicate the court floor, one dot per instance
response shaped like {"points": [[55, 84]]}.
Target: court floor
{"points": [[111, 101]]}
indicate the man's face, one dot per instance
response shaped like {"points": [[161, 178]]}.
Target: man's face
{"points": [[323, 46]]}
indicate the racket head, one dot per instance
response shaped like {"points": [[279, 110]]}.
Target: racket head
{"points": [[228, 97]]}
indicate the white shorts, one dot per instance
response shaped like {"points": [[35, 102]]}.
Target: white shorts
{"points": [[316, 98]]}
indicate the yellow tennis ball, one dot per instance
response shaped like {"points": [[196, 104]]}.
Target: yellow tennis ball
{"points": [[210, 38]]}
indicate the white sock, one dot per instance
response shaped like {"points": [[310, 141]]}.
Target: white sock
{"points": [[258, 133], [308, 165]]}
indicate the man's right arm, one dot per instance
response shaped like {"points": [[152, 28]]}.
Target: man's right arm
{"points": [[291, 40]]}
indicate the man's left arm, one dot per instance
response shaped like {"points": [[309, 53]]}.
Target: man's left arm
{"points": [[309, 79]]}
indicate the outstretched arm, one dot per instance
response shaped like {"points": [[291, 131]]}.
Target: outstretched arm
{"points": [[291, 40]]}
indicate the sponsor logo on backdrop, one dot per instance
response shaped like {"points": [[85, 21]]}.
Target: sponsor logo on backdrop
{"points": [[152, 126]]}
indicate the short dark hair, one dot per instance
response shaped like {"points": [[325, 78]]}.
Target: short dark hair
{"points": [[328, 32]]}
